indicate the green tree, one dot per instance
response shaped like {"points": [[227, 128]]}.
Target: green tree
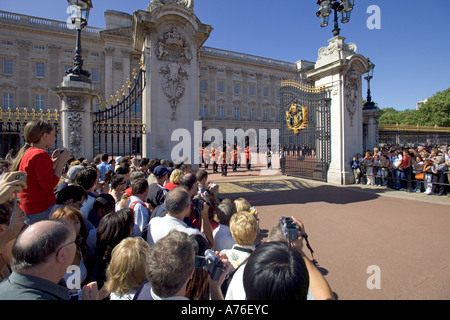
{"points": [[390, 116], [436, 111]]}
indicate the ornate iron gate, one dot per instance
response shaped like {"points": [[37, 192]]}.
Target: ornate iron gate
{"points": [[118, 127], [12, 124], [305, 131]]}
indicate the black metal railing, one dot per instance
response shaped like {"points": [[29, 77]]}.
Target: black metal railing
{"points": [[118, 128], [12, 123], [306, 149]]}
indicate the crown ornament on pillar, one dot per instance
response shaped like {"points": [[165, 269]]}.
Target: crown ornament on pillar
{"points": [[157, 3], [173, 37]]}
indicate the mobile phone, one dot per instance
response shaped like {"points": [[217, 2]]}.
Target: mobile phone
{"points": [[22, 177]]}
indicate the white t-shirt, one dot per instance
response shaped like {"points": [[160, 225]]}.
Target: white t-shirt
{"points": [[396, 161], [160, 227], [222, 238]]}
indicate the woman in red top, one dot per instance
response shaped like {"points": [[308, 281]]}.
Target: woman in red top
{"points": [[43, 171], [405, 171]]}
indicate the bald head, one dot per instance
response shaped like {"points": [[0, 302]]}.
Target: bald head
{"points": [[36, 244]]}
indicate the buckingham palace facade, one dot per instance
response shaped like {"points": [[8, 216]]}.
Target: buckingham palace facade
{"points": [[236, 90]]}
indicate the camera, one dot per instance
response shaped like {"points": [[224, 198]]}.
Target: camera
{"points": [[210, 263], [22, 177], [289, 228], [199, 202]]}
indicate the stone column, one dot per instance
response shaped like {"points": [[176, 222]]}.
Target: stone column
{"points": [[77, 109], [371, 116], [212, 91], [339, 69], [109, 53], [126, 65], [169, 35]]}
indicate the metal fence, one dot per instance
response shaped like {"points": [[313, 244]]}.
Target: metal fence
{"points": [[305, 130], [13, 122], [118, 127]]}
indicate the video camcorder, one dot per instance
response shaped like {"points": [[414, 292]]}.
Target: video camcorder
{"points": [[291, 230], [210, 263]]}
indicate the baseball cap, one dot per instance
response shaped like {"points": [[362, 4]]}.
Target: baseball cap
{"points": [[160, 171], [71, 174]]}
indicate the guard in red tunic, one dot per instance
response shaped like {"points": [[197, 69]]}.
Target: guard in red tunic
{"points": [[214, 160], [234, 157], [247, 157]]}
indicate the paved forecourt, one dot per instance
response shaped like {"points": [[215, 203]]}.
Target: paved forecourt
{"points": [[369, 242]]}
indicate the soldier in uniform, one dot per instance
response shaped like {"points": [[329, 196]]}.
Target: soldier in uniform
{"points": [[214, 159], [247, 157], [234, 158], [206, 157], [223, 162]]}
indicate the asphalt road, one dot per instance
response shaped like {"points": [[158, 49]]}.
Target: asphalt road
{"points": [[370, 243]]}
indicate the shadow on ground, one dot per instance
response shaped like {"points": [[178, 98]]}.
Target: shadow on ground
{"points": [[303, 194]]}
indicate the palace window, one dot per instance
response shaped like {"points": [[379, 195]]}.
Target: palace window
{"points": [[8, 101], [40, 70], [95, 76], [237, 88], [203, 85], [251, 90], [220, 88], [237, 112], [8, 66], [40, 102], [252, 113], [203, 110], [220, 111]]}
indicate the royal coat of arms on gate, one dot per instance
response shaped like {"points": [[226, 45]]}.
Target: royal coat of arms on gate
{"points": [[297, 118]]}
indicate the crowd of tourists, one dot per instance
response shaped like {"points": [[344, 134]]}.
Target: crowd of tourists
{"points": [[137, 229], [413, 169]]}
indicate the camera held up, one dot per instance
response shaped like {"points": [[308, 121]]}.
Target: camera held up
{"points": [[291, 232], [210, 263]]}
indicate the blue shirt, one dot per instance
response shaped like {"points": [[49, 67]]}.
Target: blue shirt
{"points": [[103, 167]]}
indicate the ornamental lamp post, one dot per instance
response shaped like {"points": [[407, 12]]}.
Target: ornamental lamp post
{"points": [[369, 104], [344, 7], [80, 16]]}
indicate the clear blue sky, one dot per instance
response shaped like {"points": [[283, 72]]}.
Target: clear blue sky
{"points": [[411, 50]]}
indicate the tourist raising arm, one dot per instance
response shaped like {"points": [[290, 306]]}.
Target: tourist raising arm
{"points": [[11, 183]]}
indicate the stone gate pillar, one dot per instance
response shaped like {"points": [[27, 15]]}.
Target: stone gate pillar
{"points": [[370, 119], [77, 109], [170, 36], [339, 68]]}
